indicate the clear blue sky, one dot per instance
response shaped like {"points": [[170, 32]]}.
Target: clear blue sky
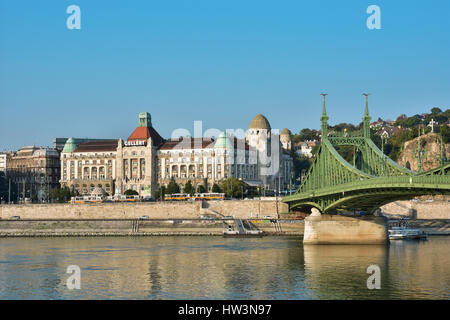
{"points": [[218, 61]]}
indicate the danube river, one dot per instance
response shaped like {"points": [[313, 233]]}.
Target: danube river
{"points": [[219, 268]]}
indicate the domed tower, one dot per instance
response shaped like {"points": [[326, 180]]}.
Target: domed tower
{"points": [[285, 139], [259, 138], [259, 134]]}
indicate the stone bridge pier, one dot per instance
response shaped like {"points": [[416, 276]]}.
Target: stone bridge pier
{"points": [[336, 229]]}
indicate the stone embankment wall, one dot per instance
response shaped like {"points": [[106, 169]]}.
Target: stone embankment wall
{"points": [[240, 209], [418, 209], [36, 228]]}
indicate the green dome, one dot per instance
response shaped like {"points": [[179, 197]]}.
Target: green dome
{"points": [[69, 146], [223, 142]]}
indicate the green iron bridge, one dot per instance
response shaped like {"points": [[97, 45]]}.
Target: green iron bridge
{"points": [[334, 185]]}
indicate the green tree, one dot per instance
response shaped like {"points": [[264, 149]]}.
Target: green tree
{"points": [[300, 164], [215, 188], [436, 110], [232, 187], [201, 188], [307, 134], [188, 188], [410, 122], [160, 193], [60, 195], [172, 187], [445, 133], [131, 192], [4, 188]]}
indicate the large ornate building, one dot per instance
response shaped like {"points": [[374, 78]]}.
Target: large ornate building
{"points": [[35, 170], [205, 161], [146, 161], [88, 165]]}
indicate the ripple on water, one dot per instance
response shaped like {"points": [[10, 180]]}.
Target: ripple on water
{"points": [[220, 268]]}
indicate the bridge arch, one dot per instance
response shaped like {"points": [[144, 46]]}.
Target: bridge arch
{"points": [[333, 184]]}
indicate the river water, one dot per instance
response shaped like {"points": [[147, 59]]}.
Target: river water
{"points": [[221, 268]]}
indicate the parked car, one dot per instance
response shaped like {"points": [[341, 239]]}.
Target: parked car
{"points": [[15, 218], [228, 218], [144, 218], [268, 217]]}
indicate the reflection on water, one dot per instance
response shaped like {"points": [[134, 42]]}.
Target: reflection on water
{"points": [[219, 268]]}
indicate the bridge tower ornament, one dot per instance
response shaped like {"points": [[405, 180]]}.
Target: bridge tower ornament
{"points": [[366, 117], [324, 118]]}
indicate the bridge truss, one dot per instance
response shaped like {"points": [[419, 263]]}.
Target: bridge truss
{"points": [[332, 184]]}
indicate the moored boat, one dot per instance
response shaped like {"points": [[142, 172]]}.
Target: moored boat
{"points": [[400, 233]]}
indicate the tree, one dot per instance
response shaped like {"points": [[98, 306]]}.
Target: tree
{"points": [[436, 110], [131, 192], [188, 188], [201, 189], [4, 188], [445, 133], [300, 164], [172, 187], [160, 193], [410, 122], [232, 187], [215, 188], [60, 195]]}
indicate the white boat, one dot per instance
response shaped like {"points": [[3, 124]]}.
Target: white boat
{"points": [[400, 233]]}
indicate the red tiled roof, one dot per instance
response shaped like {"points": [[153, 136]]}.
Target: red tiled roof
{"points": [[97, 146], [143, 133]]}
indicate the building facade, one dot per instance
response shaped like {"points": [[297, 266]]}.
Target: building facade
{"points": [[137, 159], [304, 148], [274, 161], [88, 165], [3, 158], [35, 170], [146, 161], [205, 161]]}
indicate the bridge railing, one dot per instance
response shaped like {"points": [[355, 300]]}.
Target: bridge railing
{"points": [[346, 134]]}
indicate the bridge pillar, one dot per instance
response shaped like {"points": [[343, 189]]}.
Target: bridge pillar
{"points": [[335, 229]]}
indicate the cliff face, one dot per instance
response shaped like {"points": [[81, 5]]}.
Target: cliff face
{"points": [[431, 157]]}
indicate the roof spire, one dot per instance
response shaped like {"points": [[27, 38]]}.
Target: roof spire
{"points": [[324, 118], [324, 109], [366, 118], [366, 111]]}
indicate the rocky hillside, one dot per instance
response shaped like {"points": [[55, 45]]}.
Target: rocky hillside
{"points": [[431, 157]]}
